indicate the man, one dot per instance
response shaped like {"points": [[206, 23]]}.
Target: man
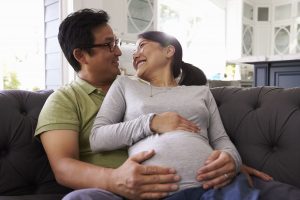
{"points": [[66, 120]]}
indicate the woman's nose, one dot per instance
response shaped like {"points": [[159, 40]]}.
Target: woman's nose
{"points": [[134, 54]]}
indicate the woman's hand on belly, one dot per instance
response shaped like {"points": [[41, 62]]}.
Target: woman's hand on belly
{"points": [[171, 121], [218, 171]]}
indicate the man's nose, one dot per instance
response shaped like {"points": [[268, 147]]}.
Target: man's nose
{"points": [[118, 51]]}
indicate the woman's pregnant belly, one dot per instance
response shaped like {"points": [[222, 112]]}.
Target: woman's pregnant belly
{"points": [[184, 151]]}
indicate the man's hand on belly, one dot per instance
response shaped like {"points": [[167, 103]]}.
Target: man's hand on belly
{"points": [[135, 181], [218, 171]]}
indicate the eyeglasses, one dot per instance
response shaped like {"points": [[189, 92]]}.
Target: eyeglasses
{"points": [[111, 45]]}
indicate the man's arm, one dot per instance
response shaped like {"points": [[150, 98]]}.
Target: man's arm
{"points": [[131, 180], [62, 150]]}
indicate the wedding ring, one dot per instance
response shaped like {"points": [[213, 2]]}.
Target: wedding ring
{"points": [[226, 176]]}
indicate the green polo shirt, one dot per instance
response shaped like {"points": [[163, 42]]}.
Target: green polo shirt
{"points": [[74, 107]]}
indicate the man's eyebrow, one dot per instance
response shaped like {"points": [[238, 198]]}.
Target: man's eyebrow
{"points": [[109, 39]]}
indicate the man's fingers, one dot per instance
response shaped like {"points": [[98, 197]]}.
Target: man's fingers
{"points": [[164, 188], [156, 170], [253, 172], [160, 179], [262, 175], [142, 156], [249, 179], [154, 195]]}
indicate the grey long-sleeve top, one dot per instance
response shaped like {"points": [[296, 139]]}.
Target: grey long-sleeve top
{"points": [[124, 121]]}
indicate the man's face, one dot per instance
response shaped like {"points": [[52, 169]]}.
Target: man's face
{"points": [[103, 62]]}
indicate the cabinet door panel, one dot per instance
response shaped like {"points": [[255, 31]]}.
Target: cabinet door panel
{"points": [[286, 75]]}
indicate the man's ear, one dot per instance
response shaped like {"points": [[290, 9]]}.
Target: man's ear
{"points": [[170, 51], [80, 56]]}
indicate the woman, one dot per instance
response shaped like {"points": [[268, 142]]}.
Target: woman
{"points": [[140, 114]]}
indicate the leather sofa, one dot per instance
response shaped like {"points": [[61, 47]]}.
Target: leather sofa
{"points": [[263, 122]]}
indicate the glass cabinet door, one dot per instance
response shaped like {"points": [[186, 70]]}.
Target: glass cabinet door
{"points": [[247, 40], [248, 11], [283, 12], [140, 16], [262, 14], [282, 40]]}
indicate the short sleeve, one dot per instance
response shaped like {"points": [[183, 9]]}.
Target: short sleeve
{"points": [[59, 113]]}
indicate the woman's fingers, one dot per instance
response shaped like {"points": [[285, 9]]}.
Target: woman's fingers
{"points": [[219, 170], [219, 181], [226, 182], [222, 172], [190, 124], [170, 121], [185, 127]]}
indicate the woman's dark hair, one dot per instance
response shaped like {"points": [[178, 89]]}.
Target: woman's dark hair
{"points": [[165, 40], [76, 31]]}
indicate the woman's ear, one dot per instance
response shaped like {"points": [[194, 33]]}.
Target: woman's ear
{"points": [[79, 55], [170, 51]]}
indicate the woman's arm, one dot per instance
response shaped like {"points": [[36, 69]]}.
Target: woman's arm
{"points": [[224, 162], [109, 132], [217, 135]]}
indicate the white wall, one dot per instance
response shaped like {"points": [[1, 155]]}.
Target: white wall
{"points": [[1, 78], [233, 29]]}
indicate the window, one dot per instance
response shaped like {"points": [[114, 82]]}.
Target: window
{"points": [[21, 45], [200, 28]]}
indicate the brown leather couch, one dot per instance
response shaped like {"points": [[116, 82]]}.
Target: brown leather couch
{"points": [[263, 122]]}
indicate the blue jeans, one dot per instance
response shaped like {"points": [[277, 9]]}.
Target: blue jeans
{"points": [[91, 194], [237, 190]]}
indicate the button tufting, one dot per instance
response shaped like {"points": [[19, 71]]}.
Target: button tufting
{"points": [[274, 148], [23, 112], [256, 106], [3, 152]]}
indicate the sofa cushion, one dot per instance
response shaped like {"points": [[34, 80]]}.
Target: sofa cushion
{"points": [[24, 167], [264, 124]]}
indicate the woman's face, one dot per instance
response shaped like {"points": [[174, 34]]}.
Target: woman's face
{"points": [[149, 58]]}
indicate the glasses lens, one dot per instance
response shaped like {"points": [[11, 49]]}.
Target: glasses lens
{"points": [[114, 44]]}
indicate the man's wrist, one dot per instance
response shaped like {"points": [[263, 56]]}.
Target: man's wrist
{"points": [[109, 180]]}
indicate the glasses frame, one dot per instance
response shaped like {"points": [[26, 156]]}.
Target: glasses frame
{"points": [[111, 45]]}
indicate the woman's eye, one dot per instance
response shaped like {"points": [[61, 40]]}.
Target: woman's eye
{"points": [[142, 44]]}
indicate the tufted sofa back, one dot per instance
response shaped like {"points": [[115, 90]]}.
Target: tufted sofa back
{"points": [[24, 167], [264, 124]]}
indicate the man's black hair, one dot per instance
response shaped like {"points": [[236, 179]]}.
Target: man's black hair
{"points": [[77, 30]]}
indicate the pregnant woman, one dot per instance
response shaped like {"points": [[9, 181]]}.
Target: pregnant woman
{"points": [[151, 112]]}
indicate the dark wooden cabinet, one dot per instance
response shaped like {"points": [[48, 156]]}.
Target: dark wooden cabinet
{"points": [[284, 74]]}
